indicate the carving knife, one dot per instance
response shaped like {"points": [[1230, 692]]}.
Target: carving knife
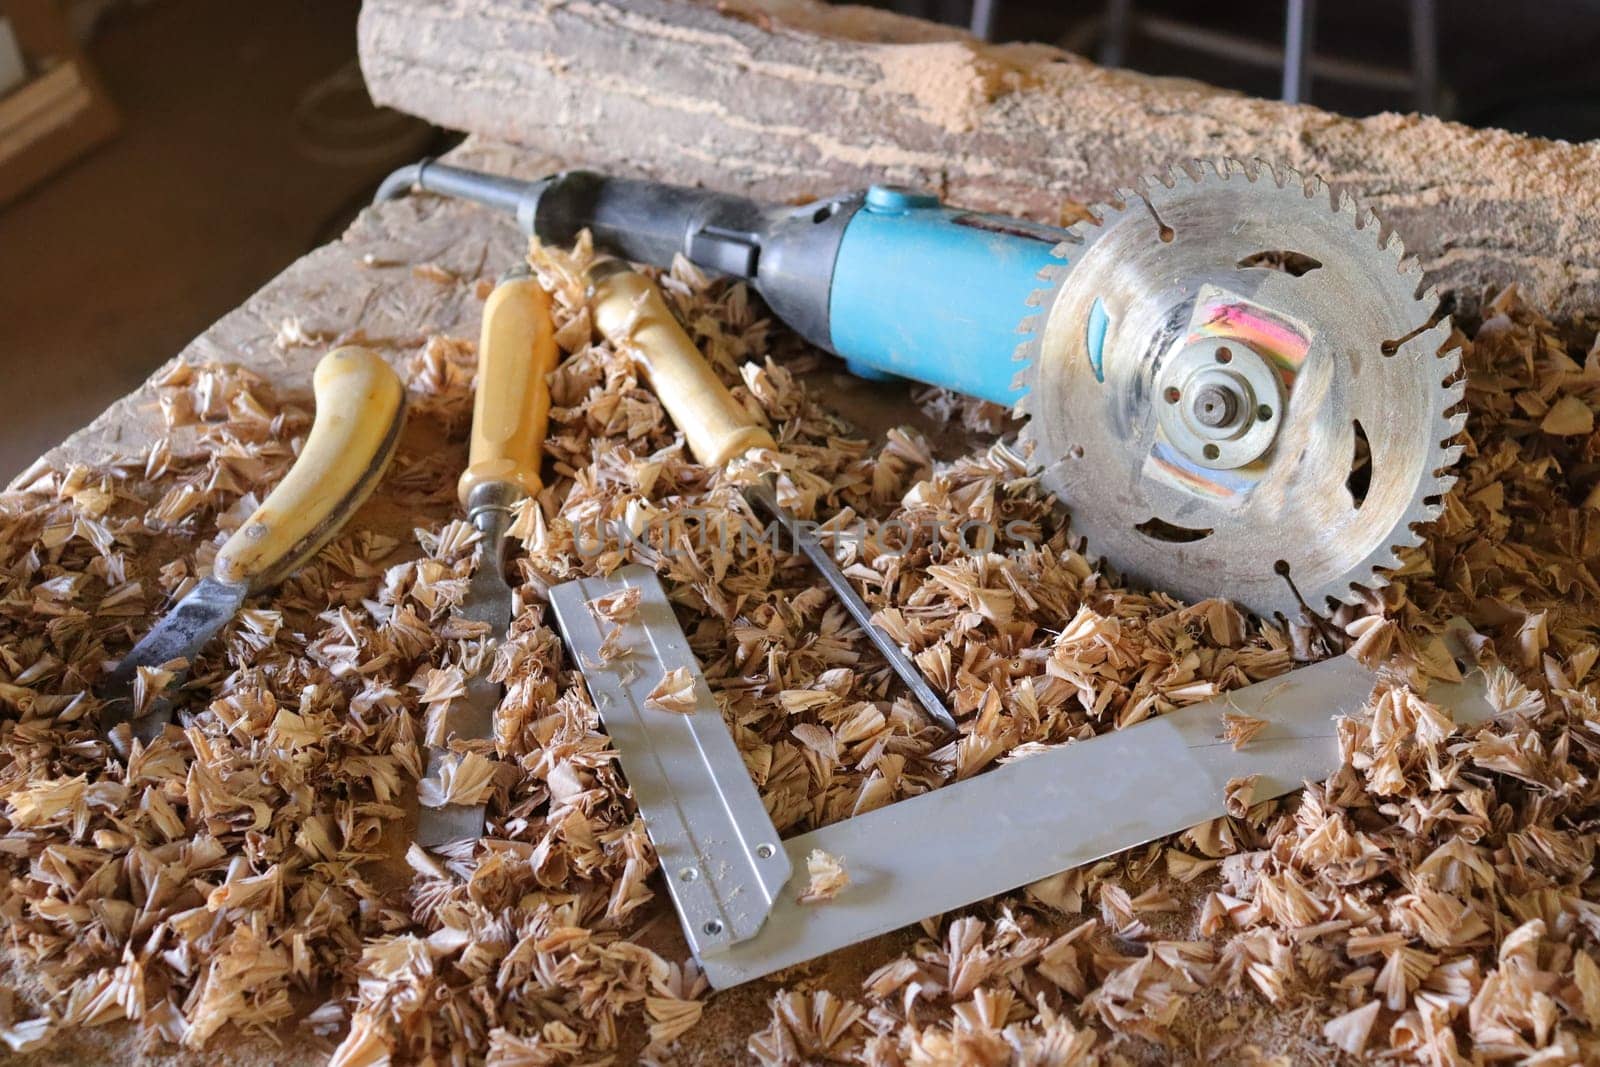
{"points": [[516, 351], [629, 310], [360, 408]]}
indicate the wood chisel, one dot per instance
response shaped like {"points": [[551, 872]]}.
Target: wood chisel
{"points": [[516, 351], [360, 408], [629, 311]]}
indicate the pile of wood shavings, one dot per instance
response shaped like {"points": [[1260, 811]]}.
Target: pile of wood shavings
{"points": [[1433, 900]]}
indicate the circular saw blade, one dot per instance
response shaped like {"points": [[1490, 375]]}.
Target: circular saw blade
{"points": [[1274, 266]]}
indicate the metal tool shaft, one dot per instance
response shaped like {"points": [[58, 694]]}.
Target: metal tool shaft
{"points": [[489, 601], [763, 496]]}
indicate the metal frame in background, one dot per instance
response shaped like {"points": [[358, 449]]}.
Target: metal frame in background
{"points": [[728, 872], [1297, 58]]}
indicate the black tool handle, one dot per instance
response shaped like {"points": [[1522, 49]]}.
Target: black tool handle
{"points": [[787, 252]]}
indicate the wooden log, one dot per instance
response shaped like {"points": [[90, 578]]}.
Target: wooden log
{"points": [[787, 99]]}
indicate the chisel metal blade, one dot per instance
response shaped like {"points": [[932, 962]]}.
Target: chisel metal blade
{"points": [[180, 635], [489, 601]]}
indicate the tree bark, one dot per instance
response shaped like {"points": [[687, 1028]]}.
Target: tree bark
{"points": [[787, 99]]}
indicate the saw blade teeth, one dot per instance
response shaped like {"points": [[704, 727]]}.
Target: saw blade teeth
{"points": [[1331, 195], [1355, 594], [1431, 342], [1448, 361], [1118, 201], [1078, 235], [1145, 184], [1095, 218], [1409, 533], [1290, 205], [1429, 513]]}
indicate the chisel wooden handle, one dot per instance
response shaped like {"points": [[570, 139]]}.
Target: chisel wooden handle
{"points": [[516, 351], [360, 406], [629, 310]]}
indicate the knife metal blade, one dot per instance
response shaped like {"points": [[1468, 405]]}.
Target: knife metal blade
{"points": [[360, 408], [180, 635]]}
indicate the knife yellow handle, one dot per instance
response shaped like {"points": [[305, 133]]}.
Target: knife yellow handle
{"points": [[629, 310], [360, 406], [516, 351]]}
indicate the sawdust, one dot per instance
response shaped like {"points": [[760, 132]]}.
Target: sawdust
{"points": [[949, 84], [852, 21], [232, 878]]}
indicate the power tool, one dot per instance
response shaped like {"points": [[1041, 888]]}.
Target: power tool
{"points": [[1233, 378]]}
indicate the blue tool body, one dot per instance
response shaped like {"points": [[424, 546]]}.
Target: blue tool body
{"points": [[925, 292], [890, 279]]}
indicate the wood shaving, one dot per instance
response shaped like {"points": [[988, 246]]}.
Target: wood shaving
{"points": [[467, 780], [1239, 730], [1433, 901], [826, 876], [675, 692], [1240, 795], [619, 607]]}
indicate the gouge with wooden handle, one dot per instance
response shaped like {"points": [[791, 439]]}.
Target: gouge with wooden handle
{"points": [[629, 310], [516, 351], [360, 407]]}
